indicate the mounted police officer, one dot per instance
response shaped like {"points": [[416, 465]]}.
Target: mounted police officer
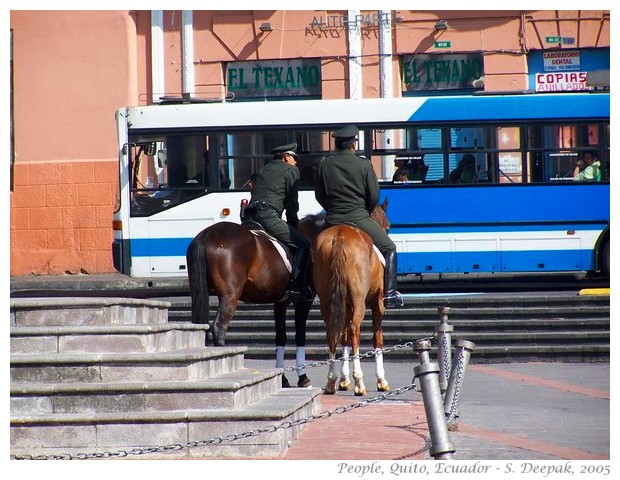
{"points": [[274, 190], [348, 189]]}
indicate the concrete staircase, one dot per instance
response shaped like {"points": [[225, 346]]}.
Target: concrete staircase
{"points": [[507, 327], [100, 377]]}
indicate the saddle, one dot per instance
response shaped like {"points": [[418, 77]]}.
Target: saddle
{"points": [[374, 247], [258, 230]]}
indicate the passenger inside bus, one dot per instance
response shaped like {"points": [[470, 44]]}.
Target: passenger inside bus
{"points": [[588, 169], [403, 169], [465, 171], [410, 169], [418, 169]]}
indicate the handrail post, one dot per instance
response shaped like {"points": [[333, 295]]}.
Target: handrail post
{"points": [[426, 372], [444, 347]]}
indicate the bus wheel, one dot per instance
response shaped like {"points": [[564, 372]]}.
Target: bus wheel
{"points": [[605, 260]]}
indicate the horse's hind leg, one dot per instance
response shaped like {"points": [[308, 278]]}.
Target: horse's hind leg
{"points": [[332, 343], [377, 341], [225, 311], [345, 384], [332, 375], [358, 376], [279, 312], [302, 309]]}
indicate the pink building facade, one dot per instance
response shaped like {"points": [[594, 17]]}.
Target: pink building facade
{"points": [[71, 70]]}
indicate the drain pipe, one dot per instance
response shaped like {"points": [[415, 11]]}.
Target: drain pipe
{"points": [[355, 55], [387, 89], [187, 42], [426, 372], [157, 55]]}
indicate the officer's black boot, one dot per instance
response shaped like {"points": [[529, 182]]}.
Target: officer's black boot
{"points": [[299, 288], [392, 297]]}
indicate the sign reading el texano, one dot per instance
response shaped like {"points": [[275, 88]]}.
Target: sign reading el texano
{"points": [[274, 78], [443, 72]]}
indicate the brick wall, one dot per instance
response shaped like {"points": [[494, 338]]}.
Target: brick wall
{"points": [[61, 217]]}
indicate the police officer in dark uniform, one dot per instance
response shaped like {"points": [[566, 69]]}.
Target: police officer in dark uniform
{"points": [[274, 190], [348, 189]]}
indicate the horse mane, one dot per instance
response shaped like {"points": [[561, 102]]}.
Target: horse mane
{"points": [[311, 225]]}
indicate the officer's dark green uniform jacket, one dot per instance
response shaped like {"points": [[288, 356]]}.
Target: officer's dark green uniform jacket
{"points": [[277, 186], [348, 189]]}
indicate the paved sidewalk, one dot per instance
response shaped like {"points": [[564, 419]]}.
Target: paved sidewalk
{"points": [[524, 411]]}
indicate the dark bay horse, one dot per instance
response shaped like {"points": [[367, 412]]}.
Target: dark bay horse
{"points": [[348, 277], [226, 259]]}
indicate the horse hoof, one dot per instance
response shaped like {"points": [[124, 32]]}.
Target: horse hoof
{"points": [[330, 387], [383, 386], [360, 392], [344, 385], [304, 381], [285, 383]]}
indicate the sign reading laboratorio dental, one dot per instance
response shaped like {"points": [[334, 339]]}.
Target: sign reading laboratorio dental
{"points": [[562, 61], [274, 78]]}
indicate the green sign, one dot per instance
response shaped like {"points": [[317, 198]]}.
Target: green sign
{"points": [[443, 71], [274, 78], [445, 44], [553, 39]]}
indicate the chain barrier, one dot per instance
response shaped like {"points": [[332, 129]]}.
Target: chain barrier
{"points": [[253, 433], [459, 371]]}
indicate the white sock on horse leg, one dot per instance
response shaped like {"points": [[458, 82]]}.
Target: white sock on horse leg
{"points": [[379, 363], [300, 357], [344, 369], [279, 357]]}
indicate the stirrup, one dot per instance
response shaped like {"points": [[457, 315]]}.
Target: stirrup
{"points": [[300, 294], [393, 300]]}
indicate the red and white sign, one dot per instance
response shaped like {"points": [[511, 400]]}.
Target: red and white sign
{"points": [[561, 82]]}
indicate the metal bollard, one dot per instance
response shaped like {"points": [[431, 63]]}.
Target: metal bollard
{"points": [[426, 372], [462, 353], [444, 347]]}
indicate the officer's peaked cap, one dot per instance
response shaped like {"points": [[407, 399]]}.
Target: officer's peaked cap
{"points": [[282, 149], [346, 133]]}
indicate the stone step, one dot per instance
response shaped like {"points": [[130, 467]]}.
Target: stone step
{"points": [[493, 333], [232, 390], [428, 304], [502, 352], [430, 314], [183, 364], [260, 429], [107, 338], [64, 311]]}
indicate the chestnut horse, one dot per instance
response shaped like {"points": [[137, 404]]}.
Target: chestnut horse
{"points": [[348, 276], [226, 259]]}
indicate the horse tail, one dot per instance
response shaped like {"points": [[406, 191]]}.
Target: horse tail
{"points": [[198, 279], [338, 289]]}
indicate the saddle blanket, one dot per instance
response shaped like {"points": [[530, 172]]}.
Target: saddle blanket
{"points": [[278, 245]]}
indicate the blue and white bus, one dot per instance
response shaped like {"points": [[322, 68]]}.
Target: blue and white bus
{"points": [[185, 166]]}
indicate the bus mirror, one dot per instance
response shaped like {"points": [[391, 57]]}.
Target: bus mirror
{"points": [[161, 158], [150, 149]]}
